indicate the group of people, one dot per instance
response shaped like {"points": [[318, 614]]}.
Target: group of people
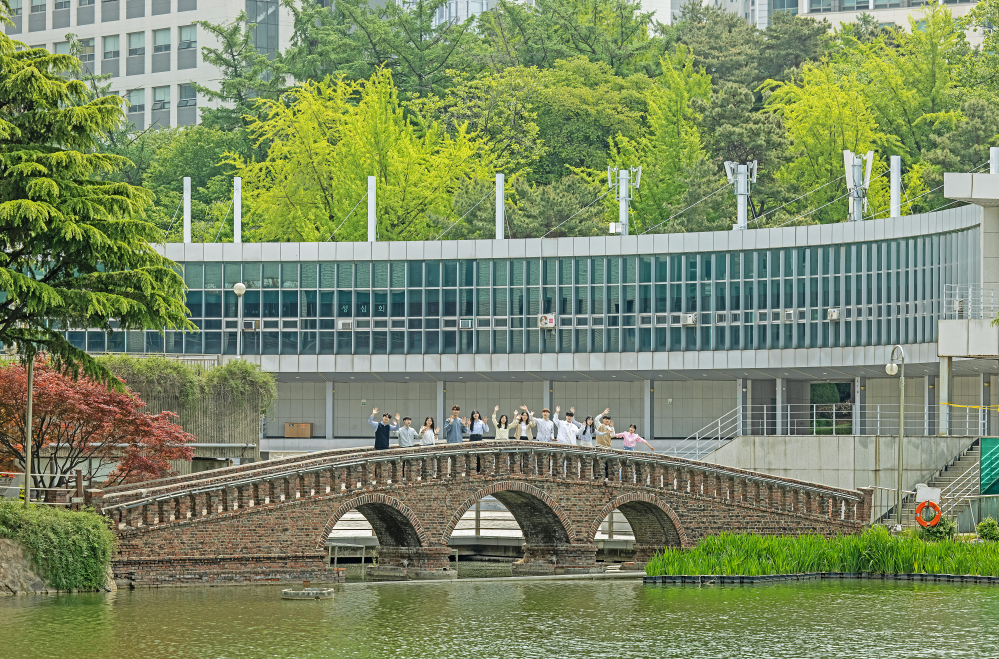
{"points": [[597, 431]]}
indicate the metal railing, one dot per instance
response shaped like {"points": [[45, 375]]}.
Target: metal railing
{"points": [[885, 512], [970, 302], [709, 438], [954, 497]]}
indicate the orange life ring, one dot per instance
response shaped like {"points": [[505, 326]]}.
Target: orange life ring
{"points": [[919, 513]]}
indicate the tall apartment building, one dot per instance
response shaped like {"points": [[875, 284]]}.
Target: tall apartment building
{"points": [[150, 48]]}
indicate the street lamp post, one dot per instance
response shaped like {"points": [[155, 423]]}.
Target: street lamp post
{"points": [[30, 372], [239, 289], [891, 368]]}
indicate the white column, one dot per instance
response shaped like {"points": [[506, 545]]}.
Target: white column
{"points": [[372, 210], [781, 403], [329, 409], [187, 209], [895, 185], [649, 394], [929, 403], [945, 395], [237, 210], [547, 396], [441, 404], [500, 204], [859, 406], [740, 406], [985, 402], [623, 175], [994, 160], [742, 195]]}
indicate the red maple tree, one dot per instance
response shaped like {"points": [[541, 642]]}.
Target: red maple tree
{"points": [[82, 424]]}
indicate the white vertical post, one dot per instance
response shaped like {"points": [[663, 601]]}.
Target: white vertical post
{"points": [[187, 209], [994, 160], [329, 410], [500, 204], [742, 195], [895, 182], [372, 210], [781, 384], [858, 189], [649, 394], [622, 209], [740, 404], [944, 395], [237, 210]]}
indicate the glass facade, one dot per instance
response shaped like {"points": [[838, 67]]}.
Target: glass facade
{"points": [[886, 292]]}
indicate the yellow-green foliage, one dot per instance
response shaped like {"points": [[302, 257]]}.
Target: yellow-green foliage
{"points": [[72, 550], [875, 551]]}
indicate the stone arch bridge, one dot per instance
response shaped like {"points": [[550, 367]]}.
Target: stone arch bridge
{"points": [[270, 520]]}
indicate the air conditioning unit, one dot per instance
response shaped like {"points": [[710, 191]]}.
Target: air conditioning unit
{"points": [[546, 321], [832, 314], [345, 325], [688, 319], [251, 325], [464, 323]]}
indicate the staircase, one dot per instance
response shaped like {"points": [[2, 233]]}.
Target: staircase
{"points": [[956, 481]]}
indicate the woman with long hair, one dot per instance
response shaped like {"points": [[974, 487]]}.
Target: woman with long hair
{"points": [[502, 426], [524, 424], [428, 433], [588, 433], [476, 427]]}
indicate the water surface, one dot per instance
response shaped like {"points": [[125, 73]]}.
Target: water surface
{"points": [[503, 620]]}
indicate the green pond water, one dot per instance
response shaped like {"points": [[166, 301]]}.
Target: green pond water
{"points": [[483, 620]]}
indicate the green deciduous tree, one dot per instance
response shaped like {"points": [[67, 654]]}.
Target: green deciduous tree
{"points": [[327, 137], [671, 144], [824, 114], [72, 253]]}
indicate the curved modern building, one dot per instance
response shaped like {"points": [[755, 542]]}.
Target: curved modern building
{"points": [[671, 331]]}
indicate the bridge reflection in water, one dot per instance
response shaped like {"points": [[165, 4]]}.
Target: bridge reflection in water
{"points": [[271, 520]]}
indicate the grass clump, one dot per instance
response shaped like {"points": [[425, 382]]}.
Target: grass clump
{"points": [[875, 551], [988, 529], [71, 550]]}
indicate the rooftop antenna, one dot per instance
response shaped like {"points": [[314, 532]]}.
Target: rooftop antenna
{"points": [[628, 181], [858, 179], [741, 176]]}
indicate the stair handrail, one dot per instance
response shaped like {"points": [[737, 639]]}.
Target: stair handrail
{"points": [[724, 427], [959, 489]]}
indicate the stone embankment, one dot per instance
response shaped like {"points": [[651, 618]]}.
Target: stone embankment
{"points": [[17, 574]]}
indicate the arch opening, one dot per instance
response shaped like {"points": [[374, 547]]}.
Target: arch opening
{"points": [[392, 523], [650, 524]]}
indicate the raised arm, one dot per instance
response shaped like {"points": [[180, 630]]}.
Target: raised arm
{"points": [[371, 421]]}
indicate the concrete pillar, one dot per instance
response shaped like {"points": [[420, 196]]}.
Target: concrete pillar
{"points": [[237, 210], [330, 390], [945, 394], [372, 209], [741, 390], [649, 391], [187, 209], [986, 400], [500, 204], [895, 186], [441, 404], [859, 406], [929, 405], [547, 397], [781, 413]]}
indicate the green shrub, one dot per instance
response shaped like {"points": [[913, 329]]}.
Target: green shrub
{"points": [[945, 529], [71, 550], [988, 529]]}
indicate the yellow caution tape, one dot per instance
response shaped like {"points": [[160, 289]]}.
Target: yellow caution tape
{"points": [[973, 407]]}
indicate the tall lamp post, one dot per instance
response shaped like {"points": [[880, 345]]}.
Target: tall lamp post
{"points": [[239, 289], [30, 371], [891, 368]]}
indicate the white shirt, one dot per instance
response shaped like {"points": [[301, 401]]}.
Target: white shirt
{"points": [[428, 438], [523, 430], [568, 431], [546, 429]]}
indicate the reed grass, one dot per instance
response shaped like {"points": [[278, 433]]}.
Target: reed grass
{"points": [[875, 551]]}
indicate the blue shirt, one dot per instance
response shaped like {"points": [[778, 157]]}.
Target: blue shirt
{"points": [[478, 427], [453, 431]]}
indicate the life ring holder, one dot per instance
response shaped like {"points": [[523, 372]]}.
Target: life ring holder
{"points": [[919, 514]]}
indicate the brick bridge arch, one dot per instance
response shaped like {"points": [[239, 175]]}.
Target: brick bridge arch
{"points": [[540, 517], [394, 523], [269, 520], [653, 522]]}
